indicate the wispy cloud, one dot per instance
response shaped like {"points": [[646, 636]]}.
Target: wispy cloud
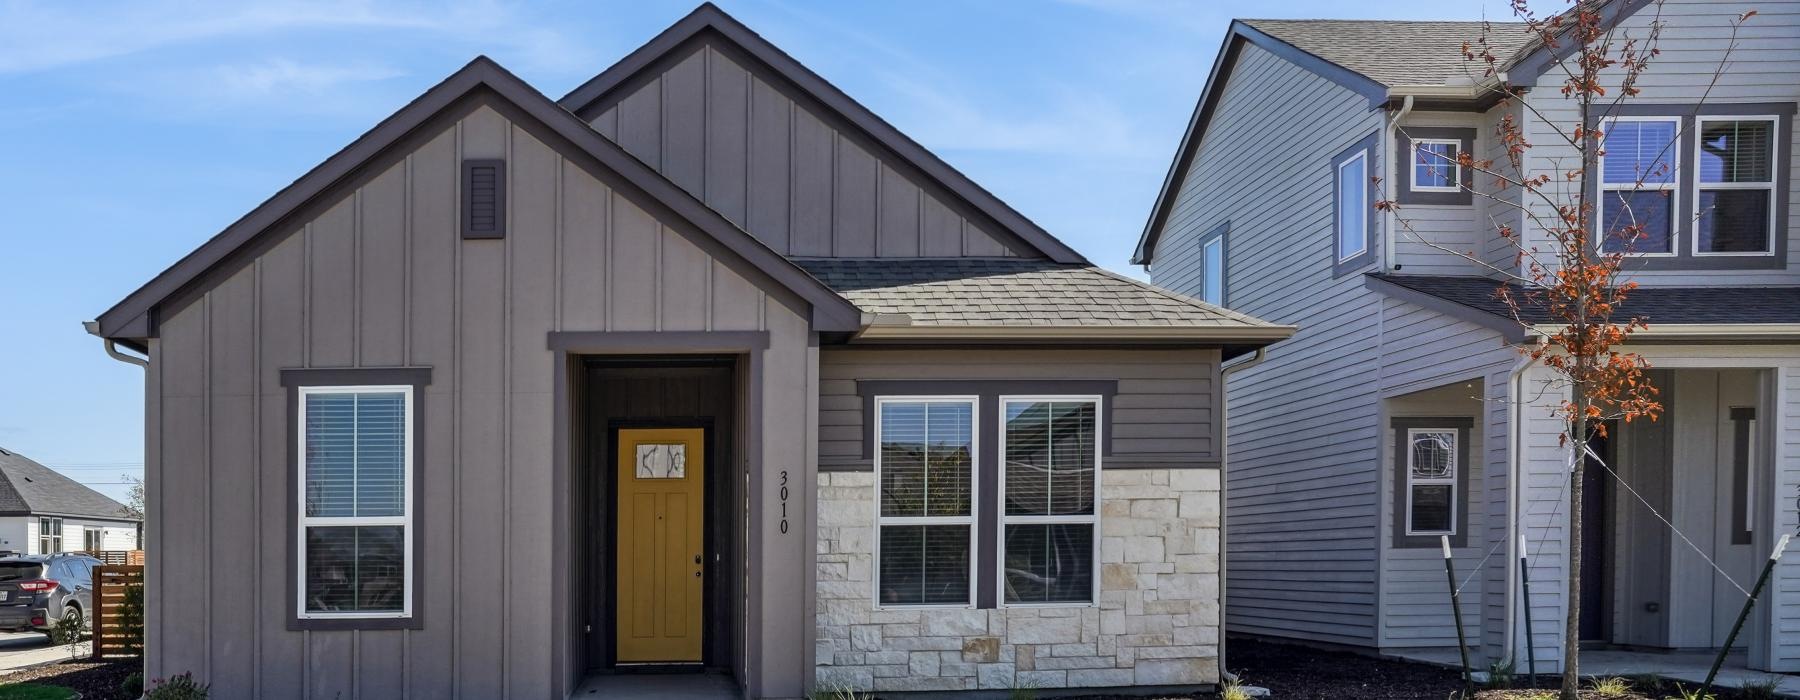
{"points": [[283, 75]]}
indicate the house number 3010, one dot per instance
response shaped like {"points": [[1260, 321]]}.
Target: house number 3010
{"points": [[784, 499]]}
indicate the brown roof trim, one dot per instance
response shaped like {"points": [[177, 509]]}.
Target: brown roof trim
{"points": [[593, 95], [1235, 37], [135, 317]]}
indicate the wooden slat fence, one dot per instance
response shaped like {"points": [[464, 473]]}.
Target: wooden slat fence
{"points": [[118, 557], [118, 610]]}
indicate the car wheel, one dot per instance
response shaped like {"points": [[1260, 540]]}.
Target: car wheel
{"points": [[73, 612]]}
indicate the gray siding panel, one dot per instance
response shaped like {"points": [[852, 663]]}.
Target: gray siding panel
{"points": [[1301, 479], [793, 177], [382, 278]]}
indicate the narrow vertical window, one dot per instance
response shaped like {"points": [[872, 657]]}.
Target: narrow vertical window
{"points": [[925, 472], [1352, 206], [1735, 201], [95, 539], [484, 199], [1212, 266], [356, 461], [1430, 481], [1435, 166], [1639, 163], [1050, 519], [50, 535]]}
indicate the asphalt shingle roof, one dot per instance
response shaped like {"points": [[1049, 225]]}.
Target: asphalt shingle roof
{"points": [[1004, 292], [1396, 53], [1655, 305], [29, 488]]}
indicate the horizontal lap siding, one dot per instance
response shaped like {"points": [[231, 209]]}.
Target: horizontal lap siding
{"points": [[1301, 472], [380, 279], [1164, 410], [785, 172], [1692, 47]]}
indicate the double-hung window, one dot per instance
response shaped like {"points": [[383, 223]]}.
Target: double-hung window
{"points": [[1639, 172], [1735, 198], [925, 469], [1430, 458], [355, 502], [1436, 166], [1050, 447], [1352, 206], [94, 539], [50, 535]]}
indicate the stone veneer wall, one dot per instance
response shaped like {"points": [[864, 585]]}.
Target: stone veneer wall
{"points": [[1157, 622]]}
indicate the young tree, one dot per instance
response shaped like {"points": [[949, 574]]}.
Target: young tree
{"points": [[1570, 256]]}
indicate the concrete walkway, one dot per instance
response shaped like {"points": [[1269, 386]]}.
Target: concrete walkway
{"points": [[25, 649], [659, 686]]}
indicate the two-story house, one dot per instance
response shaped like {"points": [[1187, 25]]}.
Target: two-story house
{"points": [[1404, 411]]}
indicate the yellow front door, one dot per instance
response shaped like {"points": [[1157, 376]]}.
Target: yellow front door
{"points": [[661, 509]]}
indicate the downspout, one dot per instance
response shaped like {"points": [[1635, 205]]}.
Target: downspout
{"points": [[1390, 220], [112, 347], [1515, 526], [1224, 454]]}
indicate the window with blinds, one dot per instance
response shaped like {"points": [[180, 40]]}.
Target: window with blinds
{"points": [[1735, 202], [355, 514], [925, 468], [1051, 449], [1638, 176]]}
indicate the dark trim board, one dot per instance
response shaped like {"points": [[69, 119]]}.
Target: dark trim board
{"points": [[135, 317], [293, 379], [1403, 166], [657, 342], [1534, 64], [591, 97], [1369, 148]]}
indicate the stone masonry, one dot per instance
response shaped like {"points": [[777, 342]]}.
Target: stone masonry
{"points": [[1157, 622]]}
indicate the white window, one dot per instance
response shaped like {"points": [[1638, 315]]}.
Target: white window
{"points": [[1639, 171], [1735, 197], [925, 519], [1353, 206], [50, 535], [1050, 518], [355, 501], [1430, 481], [94, 538], [1435, 166], [1212, 271]]}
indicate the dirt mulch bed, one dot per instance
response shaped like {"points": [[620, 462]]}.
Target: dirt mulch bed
{"points": [[95, 680], [1636, 689], [1293, 672]]}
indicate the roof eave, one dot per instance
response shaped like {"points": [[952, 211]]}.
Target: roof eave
{"points": [[1187, 334]]}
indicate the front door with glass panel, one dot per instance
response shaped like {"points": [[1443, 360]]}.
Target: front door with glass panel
{"points": [[661, 506]]}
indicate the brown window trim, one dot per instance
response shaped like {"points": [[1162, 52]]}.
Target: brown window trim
{"points": [[293, 379]]}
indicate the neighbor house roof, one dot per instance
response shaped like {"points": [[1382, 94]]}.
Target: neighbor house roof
{"points": [[134, 318], [1477, 299], [940, 296], [1397, 53], [29, 488]]}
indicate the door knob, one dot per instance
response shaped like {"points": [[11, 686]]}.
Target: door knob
{"points": [[696, 559]]}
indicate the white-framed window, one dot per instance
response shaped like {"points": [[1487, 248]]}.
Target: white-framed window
{"points": [[1212, 270], [925, 451], [94, 539], [50, 535], [355, 502], [1734, 198], [1050, 511], [1640, 171], [1352, 206], [1431, 481], [1435, 165]]}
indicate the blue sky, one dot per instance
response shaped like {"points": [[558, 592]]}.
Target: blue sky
{"points": [[134, 131]]}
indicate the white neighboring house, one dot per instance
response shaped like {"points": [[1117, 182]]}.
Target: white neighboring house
{"points": [[43, 512]]}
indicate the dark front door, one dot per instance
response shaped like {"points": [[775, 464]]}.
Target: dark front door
{"points": [[1596, 538]]}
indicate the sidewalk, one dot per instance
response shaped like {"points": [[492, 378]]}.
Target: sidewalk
{"points": [[20, 650]]}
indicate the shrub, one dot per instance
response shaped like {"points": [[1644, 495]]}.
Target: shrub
{"points": [[67, 631], [1614, 687], [133, 685], [180, 687], [1761, 689], [130, 618], [1234, 690]]}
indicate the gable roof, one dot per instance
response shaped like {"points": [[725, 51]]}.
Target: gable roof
{"points": [[133, 319], [708, 20], [29, 488], [1374, 58]]}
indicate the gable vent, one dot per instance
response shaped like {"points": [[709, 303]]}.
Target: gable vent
{"points": [[484, 199]]}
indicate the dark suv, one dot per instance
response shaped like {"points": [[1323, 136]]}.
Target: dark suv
{"points": [[36, 589]]}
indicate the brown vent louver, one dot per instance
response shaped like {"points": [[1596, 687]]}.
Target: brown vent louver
{"points": [[484, 199]]}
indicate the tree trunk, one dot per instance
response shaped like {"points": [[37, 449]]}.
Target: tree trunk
{"points": [[1571, 676]]}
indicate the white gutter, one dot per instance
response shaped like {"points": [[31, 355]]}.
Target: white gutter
{"points": [[1514, 535], [1224, 455], [1390, 220]]}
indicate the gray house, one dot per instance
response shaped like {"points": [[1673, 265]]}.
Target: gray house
{"points": [[43, 511], [1403, 410], [703, 367]]}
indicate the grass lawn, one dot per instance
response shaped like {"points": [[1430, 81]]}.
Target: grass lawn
{"points": [[33, 691]]}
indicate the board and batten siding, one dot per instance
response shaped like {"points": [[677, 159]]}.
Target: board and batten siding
{"points": [[1692, 47], [798, 179], [1164, 414], [382, 278], [1302, 479]]}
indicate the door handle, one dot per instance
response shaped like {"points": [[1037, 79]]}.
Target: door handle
{"points": [[696, 559]]}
